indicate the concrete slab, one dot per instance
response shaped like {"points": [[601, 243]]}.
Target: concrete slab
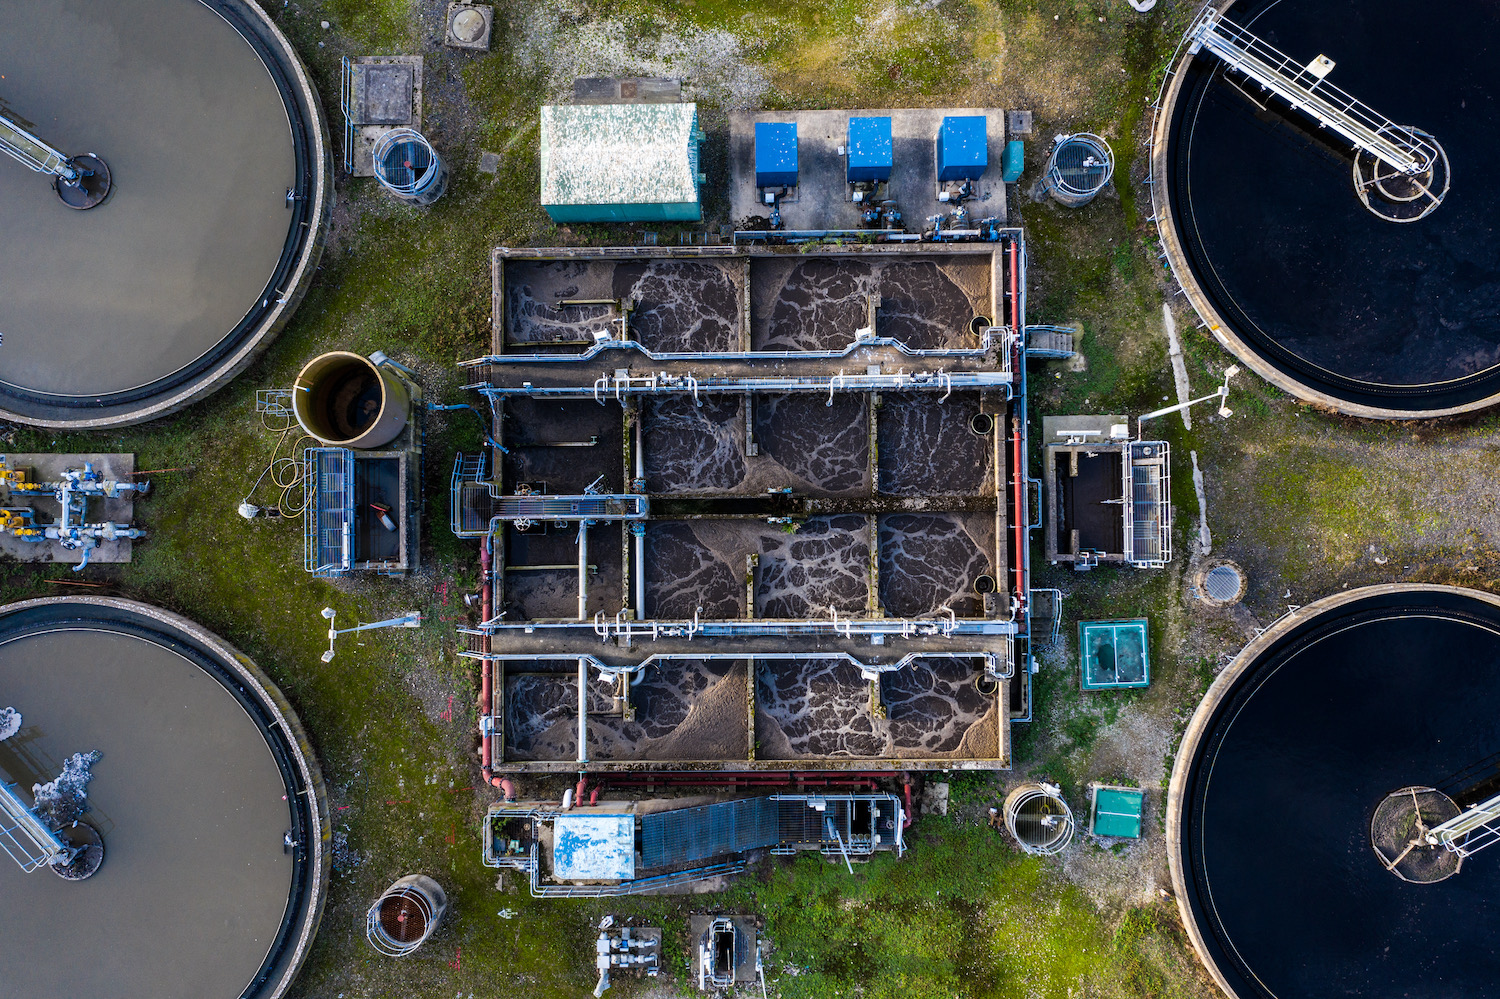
{"points": [[822, 196], [49, 467], [386, 93]]}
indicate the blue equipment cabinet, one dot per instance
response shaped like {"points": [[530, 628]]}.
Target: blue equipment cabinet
{"points": [[962, 147], [775, 154], [869, 150]]}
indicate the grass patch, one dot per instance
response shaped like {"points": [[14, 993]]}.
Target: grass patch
{"points": [[961, 915]]}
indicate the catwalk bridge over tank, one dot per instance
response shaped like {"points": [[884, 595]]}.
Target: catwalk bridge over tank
{"points": [[752, 508]]}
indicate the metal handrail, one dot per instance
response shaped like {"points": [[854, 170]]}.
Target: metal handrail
{"points": [[1309, 93], [599, 346]]}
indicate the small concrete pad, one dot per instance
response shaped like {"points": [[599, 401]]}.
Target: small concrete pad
{"points": [[469, 26], [626, 90], [384, 93], [49, 468], [822, 200]]}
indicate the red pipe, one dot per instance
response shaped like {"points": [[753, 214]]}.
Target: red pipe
{"points": [[594, 795], [1018, 449], [864, 779], [486, 673], [906, 819], [583, 782], [507, 787]]}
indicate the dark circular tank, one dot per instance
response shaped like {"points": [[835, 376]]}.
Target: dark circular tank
{"points": [[1276, 791], [208, 799], [1263, 227], [209, 234]]}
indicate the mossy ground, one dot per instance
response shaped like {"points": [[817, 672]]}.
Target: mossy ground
{"points": [[1304, 501]]}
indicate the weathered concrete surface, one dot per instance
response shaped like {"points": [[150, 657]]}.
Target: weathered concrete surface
{"points": [[48, 468]]}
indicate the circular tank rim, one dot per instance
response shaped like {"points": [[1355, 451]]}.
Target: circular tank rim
{"points": [[1222, 330], [1200, 725], [395, 400], [218, 372], [311, 894]]}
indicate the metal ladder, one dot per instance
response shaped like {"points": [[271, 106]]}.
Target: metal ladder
{"points": [[1305, 89]]}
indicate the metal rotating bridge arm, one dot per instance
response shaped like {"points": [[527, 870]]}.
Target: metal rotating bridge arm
{"points": [[81, 181]]}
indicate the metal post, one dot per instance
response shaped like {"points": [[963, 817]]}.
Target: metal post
{"points": [[638, 533], [583, 570], [583, 709]]}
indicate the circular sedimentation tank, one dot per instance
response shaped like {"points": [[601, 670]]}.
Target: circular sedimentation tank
{"points": [[1302, 778], [207, 796], [1372, 309], [210, 234]]}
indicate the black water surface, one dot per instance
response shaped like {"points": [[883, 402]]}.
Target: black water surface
{"points": [[1384, 693], [1399, 316]]}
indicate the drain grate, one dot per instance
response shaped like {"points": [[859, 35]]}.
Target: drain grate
{"points": [[1222, 582]]}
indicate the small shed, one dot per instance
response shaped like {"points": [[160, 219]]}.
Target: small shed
{"points": [[963, 151], [1117, 811], [869, 150], [621, 162]]}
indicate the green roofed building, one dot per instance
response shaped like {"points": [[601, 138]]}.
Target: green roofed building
{"points": [[621, 162]]}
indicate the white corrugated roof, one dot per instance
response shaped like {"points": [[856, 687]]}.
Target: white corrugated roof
{"points": [[618, 154]]}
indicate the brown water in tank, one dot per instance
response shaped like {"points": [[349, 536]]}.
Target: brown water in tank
{"points": [[192, 811], [200, 148], [351, 397]]}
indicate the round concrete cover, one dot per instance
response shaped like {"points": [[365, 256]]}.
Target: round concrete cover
{"points": [[197, 138], [468, 25]]}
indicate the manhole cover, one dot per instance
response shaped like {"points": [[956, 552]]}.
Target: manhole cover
{"points": [[1222, 582]]}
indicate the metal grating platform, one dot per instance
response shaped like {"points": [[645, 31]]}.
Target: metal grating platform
{"points": [[686, 835], [328, 523], [1222, 582]]}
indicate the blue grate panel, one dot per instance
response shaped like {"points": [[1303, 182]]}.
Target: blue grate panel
{"points": [[686, 835]]}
